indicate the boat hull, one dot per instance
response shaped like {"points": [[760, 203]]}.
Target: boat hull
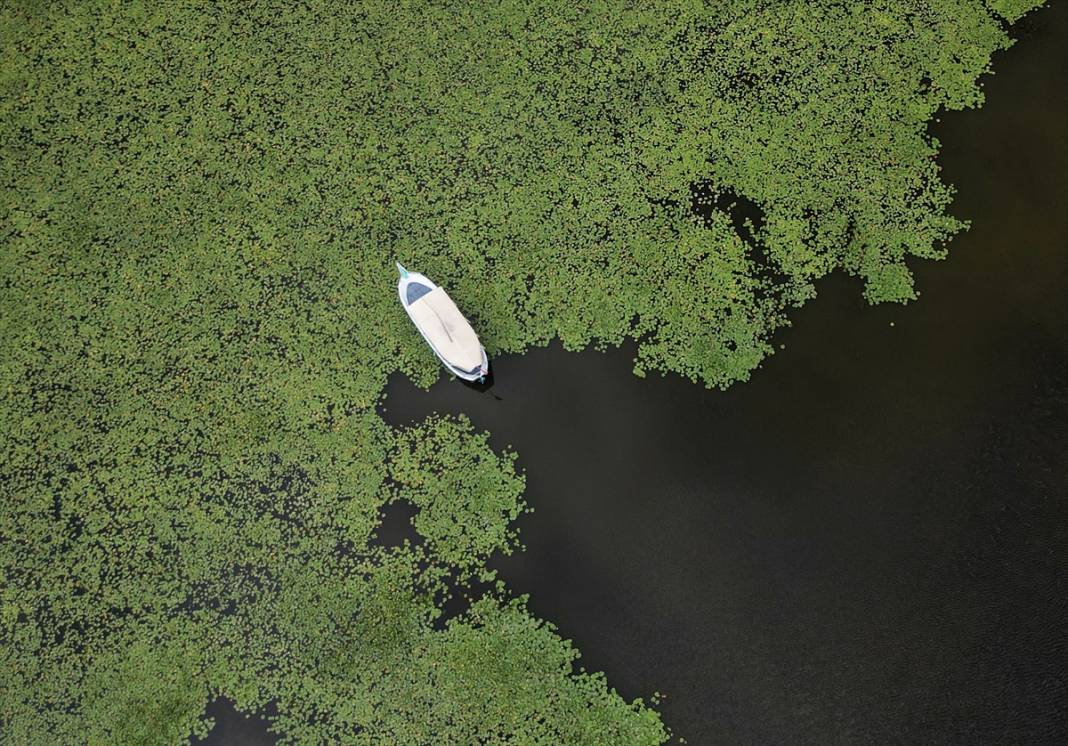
{"points": [[443, 327]]}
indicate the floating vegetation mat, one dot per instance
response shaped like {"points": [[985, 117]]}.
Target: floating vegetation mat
{"points": [[201, 207]]}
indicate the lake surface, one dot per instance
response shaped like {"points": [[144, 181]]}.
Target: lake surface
{"points": [[868, 542]]}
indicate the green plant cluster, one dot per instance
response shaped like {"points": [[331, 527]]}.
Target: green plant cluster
{"points": [[201, 205]]}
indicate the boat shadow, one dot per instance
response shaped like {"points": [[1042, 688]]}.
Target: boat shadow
{"points": [[483, 386]]}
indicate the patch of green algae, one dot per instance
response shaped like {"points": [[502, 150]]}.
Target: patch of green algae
{"points": [[201, 205]]}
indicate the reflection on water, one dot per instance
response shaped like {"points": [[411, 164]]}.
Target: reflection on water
{"points": [[483, 386]]}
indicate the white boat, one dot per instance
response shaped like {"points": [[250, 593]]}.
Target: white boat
{"points": [[442, 325]]}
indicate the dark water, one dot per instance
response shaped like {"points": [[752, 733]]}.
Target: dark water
{"points": [[867, 543]]}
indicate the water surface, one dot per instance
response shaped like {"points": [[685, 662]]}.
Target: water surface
{"points": [[869, 541], [865, 543]]}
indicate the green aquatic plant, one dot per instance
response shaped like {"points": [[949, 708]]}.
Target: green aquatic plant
{"points": [[466, 495], [201, 208]]}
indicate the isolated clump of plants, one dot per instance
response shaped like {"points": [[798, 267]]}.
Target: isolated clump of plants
{"points": [[201, 209]]}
